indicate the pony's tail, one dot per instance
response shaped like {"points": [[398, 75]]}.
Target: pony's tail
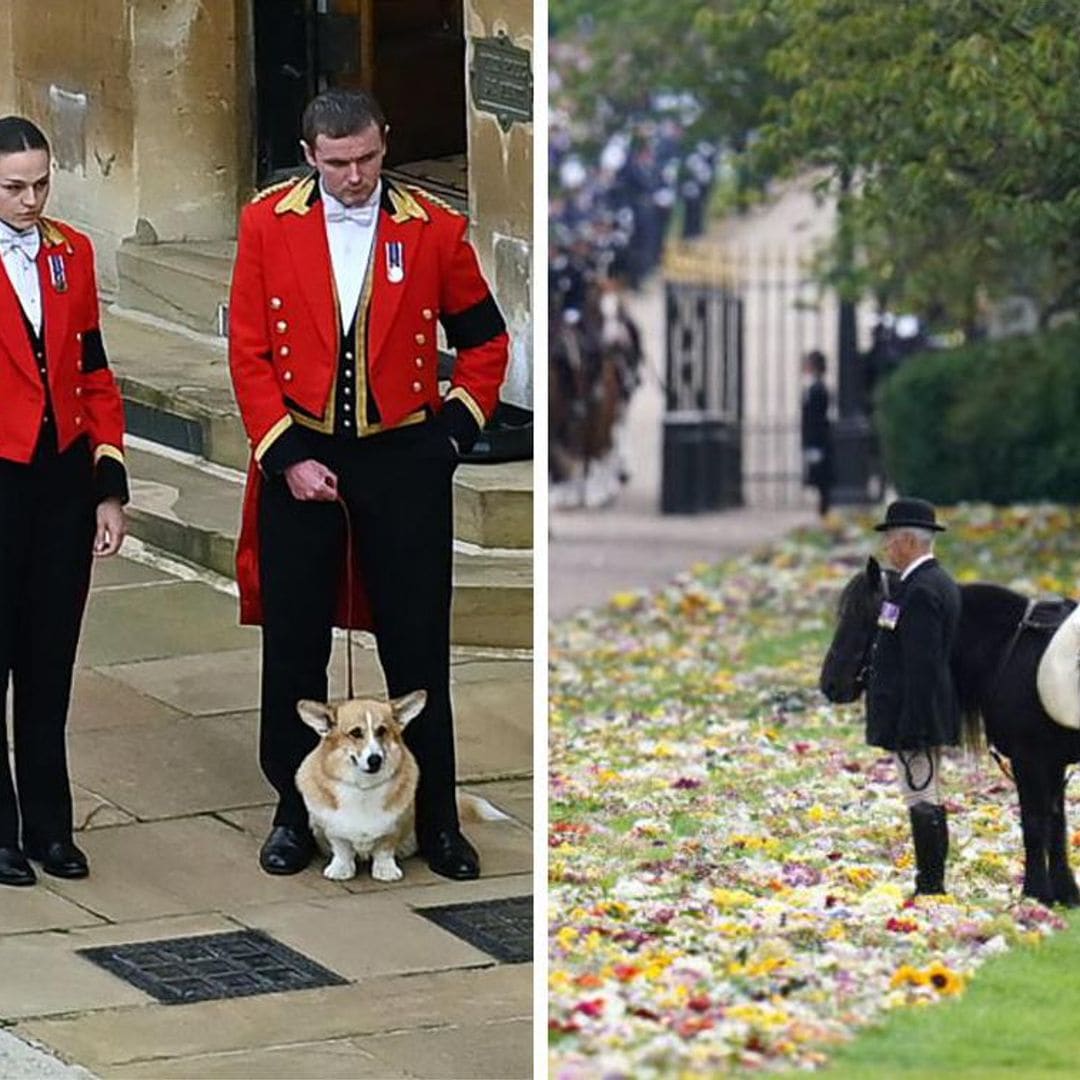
{"points": [[972, 730]]}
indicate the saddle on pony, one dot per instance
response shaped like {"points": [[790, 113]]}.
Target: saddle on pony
{"points": [[1058, 675]]}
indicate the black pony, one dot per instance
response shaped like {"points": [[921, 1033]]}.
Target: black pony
{"points": [[994, 663]]}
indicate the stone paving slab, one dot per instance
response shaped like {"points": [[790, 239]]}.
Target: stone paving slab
{"points": [[185, 865], [484, 1051], [513, 797], [100, 700], [91, 811], [170, 768], [493, 723], [27, 1062], [27, 910], [340, 1059], [111, 1037], [44, 975], [362, 940], [112, 572], [187, 617]]}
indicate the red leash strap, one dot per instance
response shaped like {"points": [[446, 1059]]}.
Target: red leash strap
{"points": [[348, 589]]}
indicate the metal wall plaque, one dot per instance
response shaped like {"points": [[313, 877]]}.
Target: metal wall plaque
{"points": [[501, 81]]}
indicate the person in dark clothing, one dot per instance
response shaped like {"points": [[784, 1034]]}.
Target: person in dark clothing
{"points": [[816, 431], [912, 708]]}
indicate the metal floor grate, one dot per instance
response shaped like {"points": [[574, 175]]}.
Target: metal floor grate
{"points": [[212, 966], [501, 928]]}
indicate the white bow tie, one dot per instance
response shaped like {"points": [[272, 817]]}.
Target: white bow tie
{"points": [[359, 215], [28, 243]]}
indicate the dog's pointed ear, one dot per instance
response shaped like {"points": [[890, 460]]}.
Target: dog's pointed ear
{"points": [[317, 715], [873, 572], [408, 707]]}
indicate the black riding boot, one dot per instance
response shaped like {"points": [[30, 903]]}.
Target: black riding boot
{"points": [[930, 831]]}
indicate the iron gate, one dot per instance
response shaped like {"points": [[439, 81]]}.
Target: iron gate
{"points": [[736, 332]]}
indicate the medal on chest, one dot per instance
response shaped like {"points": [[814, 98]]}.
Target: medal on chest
{"points": [[889, 615], [57, 273], [395, 262]]}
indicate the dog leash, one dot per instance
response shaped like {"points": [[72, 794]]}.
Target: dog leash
{"points": [[348, 589]]}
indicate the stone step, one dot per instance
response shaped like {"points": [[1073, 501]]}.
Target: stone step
{"points": [[185, 283], [177, 393], [191, 509]]}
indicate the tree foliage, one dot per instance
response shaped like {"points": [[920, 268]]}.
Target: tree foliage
{"points": [[959, 122], [949, 128]]}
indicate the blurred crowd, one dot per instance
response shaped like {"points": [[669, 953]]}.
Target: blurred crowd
{"points": [[617, 179]]}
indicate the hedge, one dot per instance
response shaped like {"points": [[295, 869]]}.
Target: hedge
{"points": [[996, 421]]}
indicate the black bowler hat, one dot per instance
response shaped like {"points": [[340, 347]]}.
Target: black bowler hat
{"points": [[909, 514]]}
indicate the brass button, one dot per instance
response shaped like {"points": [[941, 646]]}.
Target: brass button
{"points": [[427, 313], [275, 302], [419, 361], [417, 387], [348, 373], [348, 389], [348, 356], [420, 339], [287, 376], [283, 351], [347, 406], [78, 335], [281, 326], [78, 391], [78, 419]]}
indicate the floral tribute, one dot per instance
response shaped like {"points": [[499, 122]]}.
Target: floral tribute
{"points": [[730, 866]]}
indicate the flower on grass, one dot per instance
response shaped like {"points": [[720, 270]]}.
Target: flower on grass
{"points": [[944, 980]]}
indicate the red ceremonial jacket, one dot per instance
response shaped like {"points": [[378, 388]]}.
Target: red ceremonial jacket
{"points": [[84, 396], [285, 336]]}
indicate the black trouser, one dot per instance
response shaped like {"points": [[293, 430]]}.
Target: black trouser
{"points": [[397, 486], [47, 525]]}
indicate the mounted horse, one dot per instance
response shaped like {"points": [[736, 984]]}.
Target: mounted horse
{"points": [[1000, 641], [594, 355]]}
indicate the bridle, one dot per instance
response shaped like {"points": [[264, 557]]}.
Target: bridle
{"points": [[863, 671]]}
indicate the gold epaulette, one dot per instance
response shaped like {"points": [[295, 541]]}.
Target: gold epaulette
{"points": [[273, 189], [52, 235], [441, 203]]}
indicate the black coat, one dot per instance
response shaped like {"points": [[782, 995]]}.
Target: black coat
{"points": [[816, 436], [911, 700]]}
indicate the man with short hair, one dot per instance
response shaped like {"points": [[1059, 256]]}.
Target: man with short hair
{"points": [[339, 283], [912, 707], [62, 489]]}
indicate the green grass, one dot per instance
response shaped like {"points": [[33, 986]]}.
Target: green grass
{"points": [[1020, 1018]]}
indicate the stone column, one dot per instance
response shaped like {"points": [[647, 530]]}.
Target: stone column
{"points": [[191, 121], [500, 191]]}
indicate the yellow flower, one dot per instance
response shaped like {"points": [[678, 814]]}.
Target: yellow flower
{"points": [[944, 980], [906, 975], [730, 898], [859, 876], [567, 936], [625, 601]]}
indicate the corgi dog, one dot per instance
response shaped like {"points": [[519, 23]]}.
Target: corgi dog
{"points": [[359, 784]]}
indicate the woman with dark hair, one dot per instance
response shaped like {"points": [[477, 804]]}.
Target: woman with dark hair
{"points": [[62, 489], [816, 430]]}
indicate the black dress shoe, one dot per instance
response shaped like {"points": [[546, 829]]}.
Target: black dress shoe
{"points": [[287, 850], [448, 853], [60, 858], [14, 869]]}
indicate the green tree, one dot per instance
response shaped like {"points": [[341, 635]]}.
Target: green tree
{"points": [[958, 122], [714, 50]]}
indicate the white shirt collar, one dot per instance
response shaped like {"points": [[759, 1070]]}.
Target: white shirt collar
{"points": [[337, 204], [913, 566]]}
